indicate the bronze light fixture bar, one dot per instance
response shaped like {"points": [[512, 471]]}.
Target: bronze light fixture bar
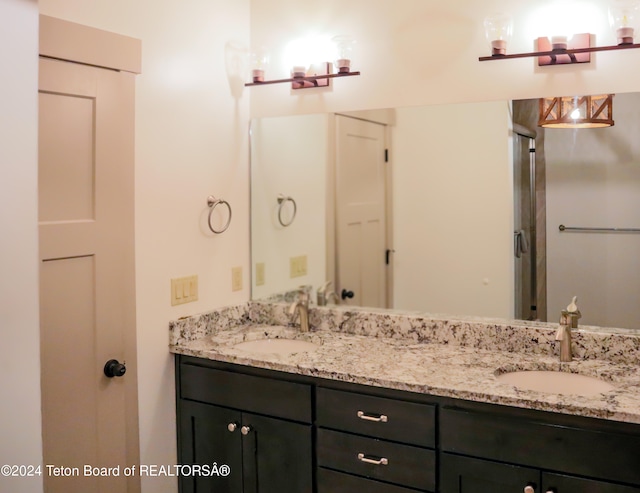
{"points": [[312, 80], [555, 53]]}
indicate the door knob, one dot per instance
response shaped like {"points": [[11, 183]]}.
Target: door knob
{"points": [[113, 368], [346, 294]]}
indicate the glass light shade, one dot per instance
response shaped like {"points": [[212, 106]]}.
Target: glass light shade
{"points": [[259, 63], [623, 17], [498, 29], [344, 52]]}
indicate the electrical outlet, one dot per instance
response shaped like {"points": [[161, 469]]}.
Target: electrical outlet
{"points": [[236, 278], [259, 273], [184, 290], [298, 266]]}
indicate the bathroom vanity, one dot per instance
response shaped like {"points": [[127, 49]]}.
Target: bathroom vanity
{"points": [[395, 404]]}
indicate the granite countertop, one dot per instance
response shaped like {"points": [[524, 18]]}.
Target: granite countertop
{"points": [[419, 353]]}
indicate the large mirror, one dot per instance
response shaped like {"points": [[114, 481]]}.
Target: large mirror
{"points": [[447, 209]]}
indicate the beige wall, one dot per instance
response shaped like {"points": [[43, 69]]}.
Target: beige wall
{"points": [[20, 428], [191, 142], [452, 209], [413, 52], [289, 156]]}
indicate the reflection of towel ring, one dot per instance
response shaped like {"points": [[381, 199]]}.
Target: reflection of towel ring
{"points": [[212, 202], [282, 200]]}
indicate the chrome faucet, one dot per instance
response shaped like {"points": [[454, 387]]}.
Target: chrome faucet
{"points": [[568, 320], [323, 296], [301, 307]]}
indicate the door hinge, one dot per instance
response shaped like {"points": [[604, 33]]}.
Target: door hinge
{"points": [[386, 155]]}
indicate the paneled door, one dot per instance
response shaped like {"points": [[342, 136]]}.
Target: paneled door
{"points": [[87, 291], [361, 212]]}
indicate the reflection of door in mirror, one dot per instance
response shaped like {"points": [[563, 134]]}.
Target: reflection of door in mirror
{"points": [[361, 226]]}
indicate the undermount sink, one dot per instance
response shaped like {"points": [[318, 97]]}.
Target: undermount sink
{"points": [[277, 346], [556, 382]]}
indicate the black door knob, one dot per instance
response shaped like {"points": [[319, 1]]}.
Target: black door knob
{"points": [[113, 368], [346, 294]]}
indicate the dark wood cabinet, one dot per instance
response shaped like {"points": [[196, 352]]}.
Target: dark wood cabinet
{"points": [[469, 475], [282, 433], [498, 449], [379, 439], [264, 454], [205, 439]]}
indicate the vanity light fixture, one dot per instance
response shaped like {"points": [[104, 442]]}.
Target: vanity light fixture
{"points": [[561, 49], [305, 76], [577, 112]]}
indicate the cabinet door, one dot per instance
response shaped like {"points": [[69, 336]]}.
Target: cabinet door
{"points": [[559, 483], [205, 439], [276, 456], [465, 475]]}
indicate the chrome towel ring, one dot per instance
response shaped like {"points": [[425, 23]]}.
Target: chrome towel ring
{"points": [[212, 202], [282, 199]]}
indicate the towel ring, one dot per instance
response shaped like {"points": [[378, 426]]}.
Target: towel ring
{"points": [[212, 202], [282, 199]]}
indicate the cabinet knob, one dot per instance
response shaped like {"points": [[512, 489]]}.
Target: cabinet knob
{"points": [[232, 427], [529, 489], [245, 430]]}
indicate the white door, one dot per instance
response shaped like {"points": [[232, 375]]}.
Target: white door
{"points": [[87, 305], [360, 212]]}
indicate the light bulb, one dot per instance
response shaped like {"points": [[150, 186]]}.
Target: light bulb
{"points": [[623, 17], [344, 52], [498, 29], [575, 114], [259, 63]]}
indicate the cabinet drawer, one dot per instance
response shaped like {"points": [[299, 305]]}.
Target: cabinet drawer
{"points": [[402, 421], [256, 394], [581, 451], [568, 484], [405, 464], [337, 482]]}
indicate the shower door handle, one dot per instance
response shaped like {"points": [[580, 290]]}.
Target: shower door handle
{"points": [[520, 243]]}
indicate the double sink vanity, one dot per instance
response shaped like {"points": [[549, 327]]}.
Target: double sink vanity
{"points": [[391, 402]]}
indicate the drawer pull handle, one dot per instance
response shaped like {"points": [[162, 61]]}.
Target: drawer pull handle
{"points": [[380, 418], [382, 461]]}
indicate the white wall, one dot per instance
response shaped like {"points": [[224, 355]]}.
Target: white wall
{"points": [[289, 156], [191, 142], [593, 180], [414, 52], [453, 209], [20, 419]]}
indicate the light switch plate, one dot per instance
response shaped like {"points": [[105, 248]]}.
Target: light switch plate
{"points": [[184, 290], [236, 278], [259, 273], [298, 266]]}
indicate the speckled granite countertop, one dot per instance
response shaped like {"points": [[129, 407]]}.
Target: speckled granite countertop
{"points": [[457, 358]]}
